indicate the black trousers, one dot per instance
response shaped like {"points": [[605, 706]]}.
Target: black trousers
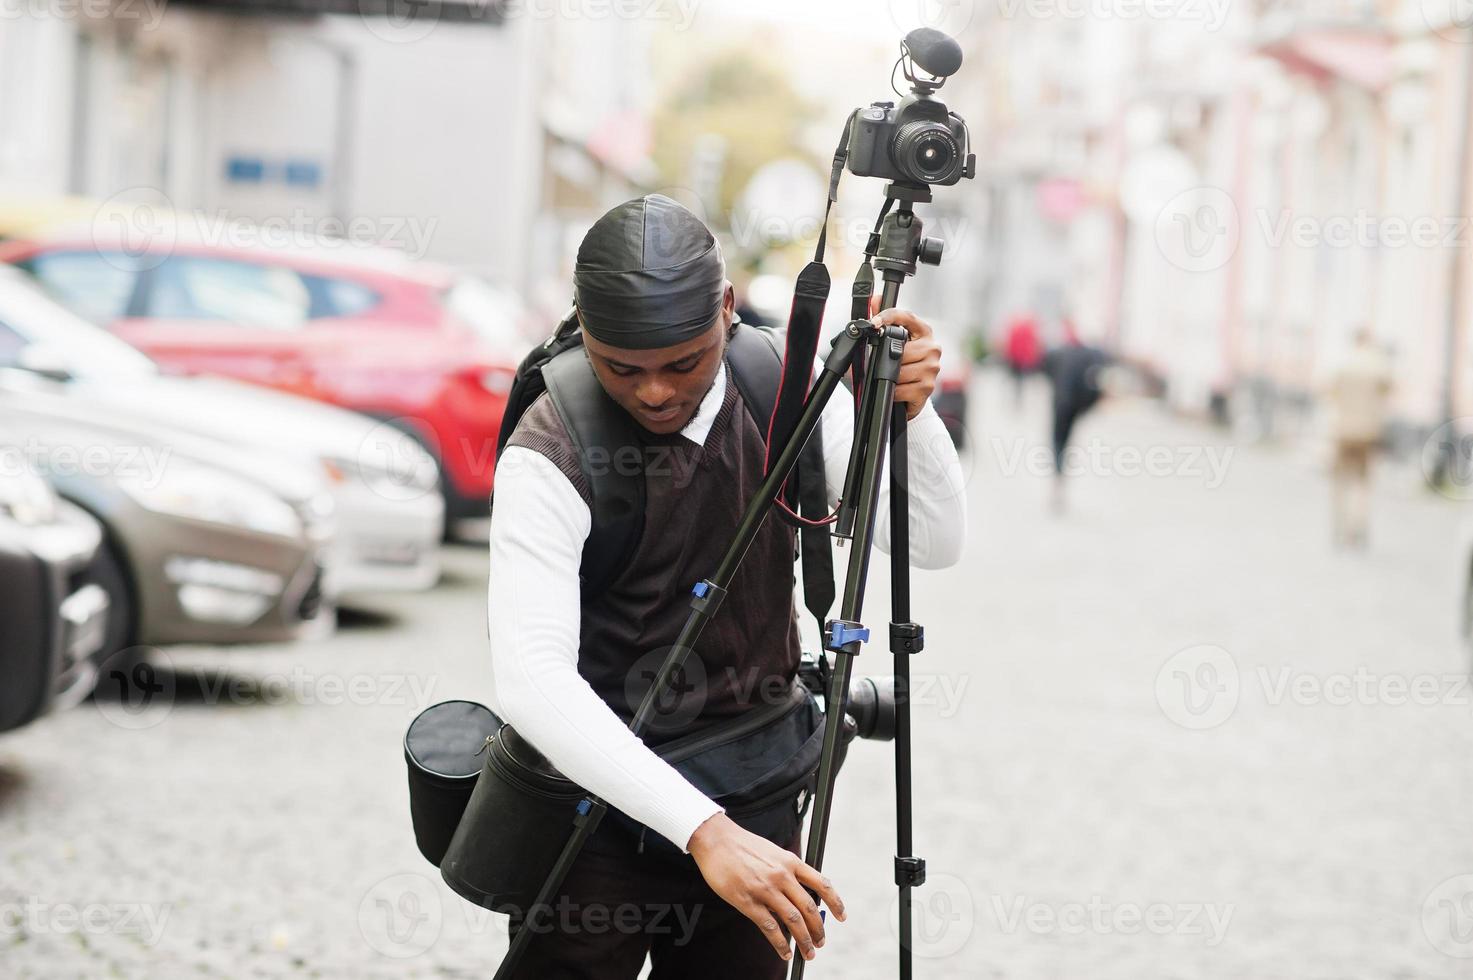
{"points": [[619, 906], [1066, 413]]}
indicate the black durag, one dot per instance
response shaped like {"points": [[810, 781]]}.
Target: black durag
{"points": [[649, 274]]}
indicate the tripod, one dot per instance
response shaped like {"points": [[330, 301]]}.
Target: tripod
{"points": [[895, 248]]}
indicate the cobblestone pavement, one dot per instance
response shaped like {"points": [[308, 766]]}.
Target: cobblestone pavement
{"points": [[1168, 734]]}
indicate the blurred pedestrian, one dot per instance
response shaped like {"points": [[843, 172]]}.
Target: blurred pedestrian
{"points": [[1358, 395], [1076, 372], [1023, 351]]}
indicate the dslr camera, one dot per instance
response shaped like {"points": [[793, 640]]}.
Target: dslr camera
{"points": [[918, 141]]}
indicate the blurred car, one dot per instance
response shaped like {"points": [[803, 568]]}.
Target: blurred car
{"points": [[55, 619], [389, 515], [202, 541], [428, 348]]}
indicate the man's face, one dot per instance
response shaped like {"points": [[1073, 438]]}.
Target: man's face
{"points": [[662, 387]]}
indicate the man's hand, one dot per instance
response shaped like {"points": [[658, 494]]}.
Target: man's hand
{"points": [[921, 362], [765, 883]]}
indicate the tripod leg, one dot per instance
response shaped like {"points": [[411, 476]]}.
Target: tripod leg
{"points": [[906, 639], [846, 634]]}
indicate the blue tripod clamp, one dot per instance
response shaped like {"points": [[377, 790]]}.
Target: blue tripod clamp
{"points": [[845, 636]]}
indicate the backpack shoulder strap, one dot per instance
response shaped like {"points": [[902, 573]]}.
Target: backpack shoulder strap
{"points": [[612, 462], [757, 365]]}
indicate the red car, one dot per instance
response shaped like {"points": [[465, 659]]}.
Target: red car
{"points": [[428, 349]]}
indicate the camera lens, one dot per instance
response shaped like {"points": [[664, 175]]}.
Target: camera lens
{"points": [[872, 706], [927, 151]]}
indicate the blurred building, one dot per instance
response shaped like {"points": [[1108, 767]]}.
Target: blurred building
{"points": [[1227, 193], [474, 134]]}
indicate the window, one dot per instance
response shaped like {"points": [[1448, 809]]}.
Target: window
{"points": [[340, 297], [493, 314], [244, 293], [97, 285]]}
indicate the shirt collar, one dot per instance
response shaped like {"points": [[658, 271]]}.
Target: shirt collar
{"points": [[699, 426]]}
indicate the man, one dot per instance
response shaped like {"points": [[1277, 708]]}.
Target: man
{"points": [[1358, 394], [1076, 372], [657, 310]]}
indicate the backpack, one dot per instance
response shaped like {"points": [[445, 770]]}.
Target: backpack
{"points": [[559, 368]]}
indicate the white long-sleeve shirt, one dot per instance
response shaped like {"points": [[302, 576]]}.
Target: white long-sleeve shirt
{"points": [[538, 528]]}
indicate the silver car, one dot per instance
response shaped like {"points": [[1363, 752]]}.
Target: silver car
{"points": [[54, 617], [390, 514], [204, 541]]}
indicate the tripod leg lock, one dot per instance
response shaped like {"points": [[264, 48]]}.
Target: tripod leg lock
{"points": [[845, 636], [589, 810], [708, 597], [907, 638], [910, 872]]}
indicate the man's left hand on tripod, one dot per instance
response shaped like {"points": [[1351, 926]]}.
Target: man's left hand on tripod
{"points": [[921, 362]]}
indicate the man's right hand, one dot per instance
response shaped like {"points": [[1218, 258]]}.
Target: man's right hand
{"points": [[765, 883]]}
